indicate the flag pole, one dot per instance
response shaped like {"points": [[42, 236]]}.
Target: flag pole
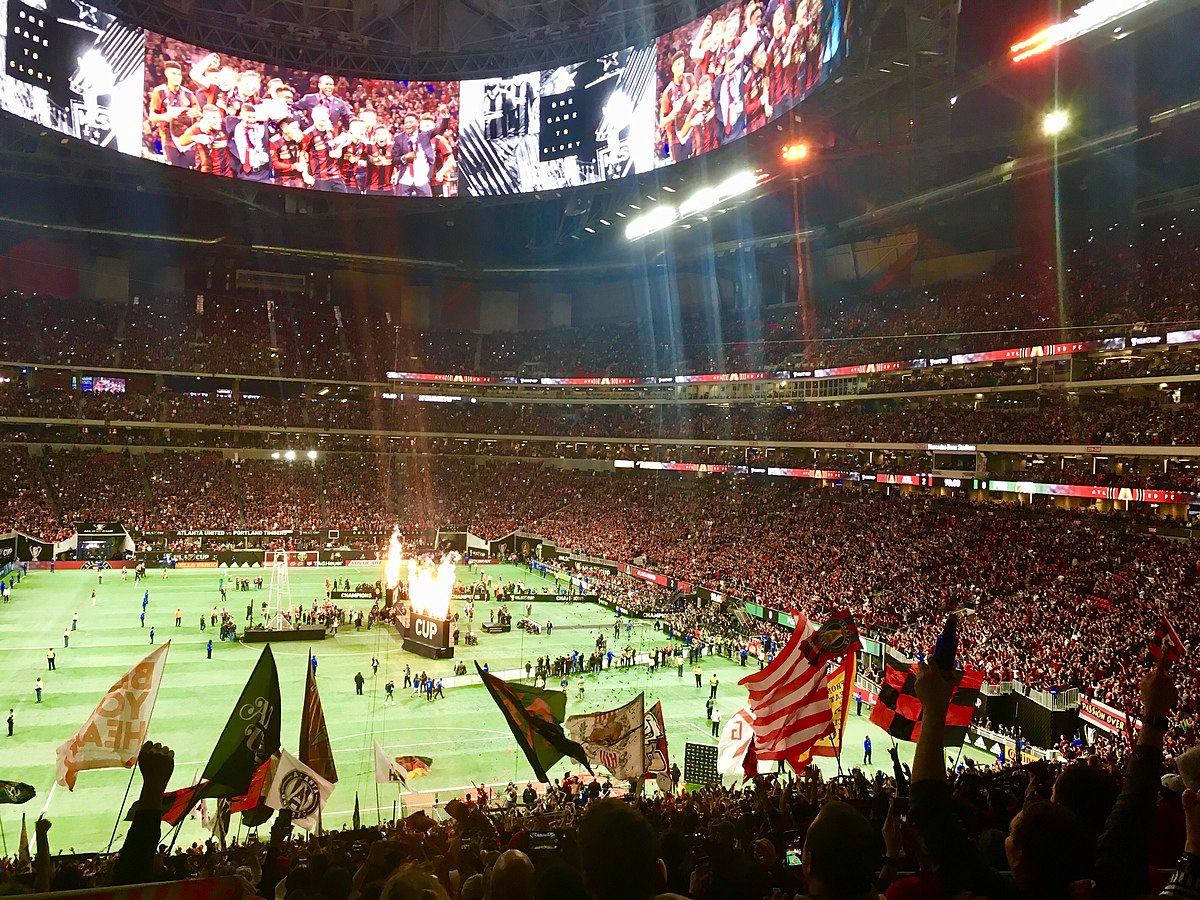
{"points": [[49, 797], [117, 821], [3, 839]]}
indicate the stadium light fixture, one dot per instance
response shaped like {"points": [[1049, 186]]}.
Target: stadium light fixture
{"points": [[274, 454], [649, 222], [290, 455], [793, 153], [703, 199], [1055, 122], [1087, 18], [312, 455]]}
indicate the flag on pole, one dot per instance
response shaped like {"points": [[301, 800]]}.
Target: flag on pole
{"points": [[789, 699], [535, 718], [1166, 641], [841, 691], [658, 762], [23, 858], [387, 770], [113, 735], [16, 792], [251, 735], [614, 738], [175, 804], [356, 822], [734, 743], [315, 751], [220, 820], [259, 784], [899, 710], [299, 789]]}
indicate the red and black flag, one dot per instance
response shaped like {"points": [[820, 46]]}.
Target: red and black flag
{"points": [[1166, 641], [535, 717], [177, 804], [899, 710], [315, 751]]}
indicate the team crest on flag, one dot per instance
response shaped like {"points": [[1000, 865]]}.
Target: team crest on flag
{"points": [[16, 792], [300, 790], [615, 738]]}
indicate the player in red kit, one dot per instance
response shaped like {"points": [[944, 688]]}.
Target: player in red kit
{"points": [[354, 157], [443, 156], [673, 104], [325, 152], [701, 132], [288, 159], [781, 51], [172, 109], [757, 89], [208, 140], [381, 170], [213, 82]]}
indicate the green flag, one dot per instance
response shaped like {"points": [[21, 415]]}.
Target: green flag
{"points": [[357, 822], [16, 792], [251, 735], [535, 717]]}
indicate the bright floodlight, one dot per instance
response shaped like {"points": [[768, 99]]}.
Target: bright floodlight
{"points": [[290, 455], [312, 454], [1056, 122], [275, 454]]}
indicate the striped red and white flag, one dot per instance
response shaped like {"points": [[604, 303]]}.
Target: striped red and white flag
{"points": [[789, 699]]}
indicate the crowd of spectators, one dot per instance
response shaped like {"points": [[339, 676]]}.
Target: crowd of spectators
{"points": [[1102, 828], [1113, 289], [1111, 418]]}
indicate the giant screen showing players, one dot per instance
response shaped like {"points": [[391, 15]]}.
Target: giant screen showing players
{"points": [[73, 68], [311, 130], [729, 74]]}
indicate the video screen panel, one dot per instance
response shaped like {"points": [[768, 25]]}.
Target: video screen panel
{"points": [[562, 127], [728, 74], [72, 68], [308, 130]]}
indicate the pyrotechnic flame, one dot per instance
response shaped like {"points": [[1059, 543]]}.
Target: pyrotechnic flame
{"points": [[393, 560], [430, 587]]}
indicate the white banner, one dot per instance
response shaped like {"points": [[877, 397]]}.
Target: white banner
{"points": [[113, 735], [387, 770], [299, 789]]}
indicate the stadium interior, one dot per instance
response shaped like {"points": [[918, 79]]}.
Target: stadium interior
{"points": [[682, 333]]}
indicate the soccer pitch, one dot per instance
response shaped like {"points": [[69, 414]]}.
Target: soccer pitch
{"points": [[464, 733]]}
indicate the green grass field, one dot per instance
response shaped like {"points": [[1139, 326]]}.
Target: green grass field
{"points": [[464, 733]]}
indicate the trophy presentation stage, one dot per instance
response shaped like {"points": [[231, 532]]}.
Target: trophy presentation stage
{"points": [[427, 637]]}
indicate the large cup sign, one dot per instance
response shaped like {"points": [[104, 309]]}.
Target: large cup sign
{"points": [[426, 629]]}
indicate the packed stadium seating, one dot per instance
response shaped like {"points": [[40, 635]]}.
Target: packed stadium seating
{"points": [[1112, 289]]}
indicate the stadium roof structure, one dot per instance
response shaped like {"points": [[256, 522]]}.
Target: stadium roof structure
{"points": [[892, 148]]}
